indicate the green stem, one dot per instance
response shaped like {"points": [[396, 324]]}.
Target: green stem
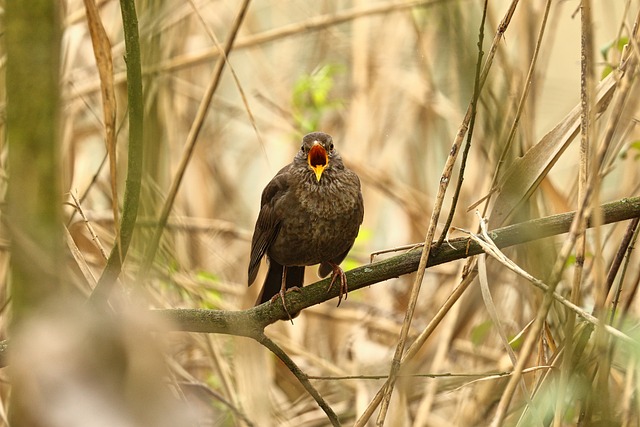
{"points": [[134, 165]]}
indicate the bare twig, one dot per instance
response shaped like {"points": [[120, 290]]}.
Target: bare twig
{"points": [[300, 375], [87, 224], [624, 253], [472, 121], [236, 80], [523, 98]]}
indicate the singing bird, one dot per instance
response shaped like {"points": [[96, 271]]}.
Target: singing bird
{"points": [[310, 213]]}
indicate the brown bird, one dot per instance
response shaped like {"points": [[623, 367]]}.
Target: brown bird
{"points": [[310, 213]]}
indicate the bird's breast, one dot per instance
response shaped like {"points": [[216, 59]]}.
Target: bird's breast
{"points": [[319, 223]]}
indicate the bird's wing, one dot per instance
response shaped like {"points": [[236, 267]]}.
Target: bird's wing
{"points": [[268, 223], [360, 207]]}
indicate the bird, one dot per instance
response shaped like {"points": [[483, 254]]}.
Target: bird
{"points": [[310, 213]]}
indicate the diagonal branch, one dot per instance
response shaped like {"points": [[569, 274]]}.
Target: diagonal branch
{"points": [[300, 375], [251, 322]]}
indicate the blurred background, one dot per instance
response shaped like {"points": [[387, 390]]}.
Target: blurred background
{"points": [[391, 82]]}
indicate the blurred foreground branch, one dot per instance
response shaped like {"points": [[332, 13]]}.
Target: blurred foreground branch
{"points": [[251, 322]]}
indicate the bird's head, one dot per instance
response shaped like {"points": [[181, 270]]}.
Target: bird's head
{"points": [[318, 149]]}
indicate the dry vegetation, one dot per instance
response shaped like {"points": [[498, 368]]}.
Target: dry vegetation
{"points": [[391, 81]]}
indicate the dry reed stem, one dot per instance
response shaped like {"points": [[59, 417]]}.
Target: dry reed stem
{"points": [[587, 123], [78, 257], [443, 349], [104, 62], [583, 208], [472, 121], [221, 50], [87, 224], [442, 188]]}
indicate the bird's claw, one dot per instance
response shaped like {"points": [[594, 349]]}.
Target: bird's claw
{"points": [[281, 294], [344, 289]]}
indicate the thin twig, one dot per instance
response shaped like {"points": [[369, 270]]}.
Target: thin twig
{"points": [[403, 248], [635, 284], [299, 374], [523, 98], [236, 80], [472, 121], [478, 377], [621, 254], [87, 224]]}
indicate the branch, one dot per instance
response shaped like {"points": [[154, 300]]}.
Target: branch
{"points": [[301, 376], [251, 322]]}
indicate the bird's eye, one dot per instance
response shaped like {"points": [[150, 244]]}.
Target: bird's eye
{"points": [[331, 147], [302, 147]]}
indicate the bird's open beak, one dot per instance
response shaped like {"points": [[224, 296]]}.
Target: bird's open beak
{"points": [[318, 159]]}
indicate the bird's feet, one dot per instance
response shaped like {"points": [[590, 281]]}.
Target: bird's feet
{"points": [[344, 289], [281, 294]]}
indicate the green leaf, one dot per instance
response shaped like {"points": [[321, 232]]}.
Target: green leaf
{"points": [[479, 332], [207, 276], [311, 96], [364, 235], [571, 260], [635, 145], [617, 44], [606, 71], [517, 342]]}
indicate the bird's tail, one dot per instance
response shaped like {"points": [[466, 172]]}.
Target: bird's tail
{"points": [[273, 281]]}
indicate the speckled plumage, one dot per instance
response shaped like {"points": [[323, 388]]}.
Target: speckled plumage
{"points": [[304, 220]]}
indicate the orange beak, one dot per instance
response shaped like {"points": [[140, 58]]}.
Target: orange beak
{"points": [[318, 159]]}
